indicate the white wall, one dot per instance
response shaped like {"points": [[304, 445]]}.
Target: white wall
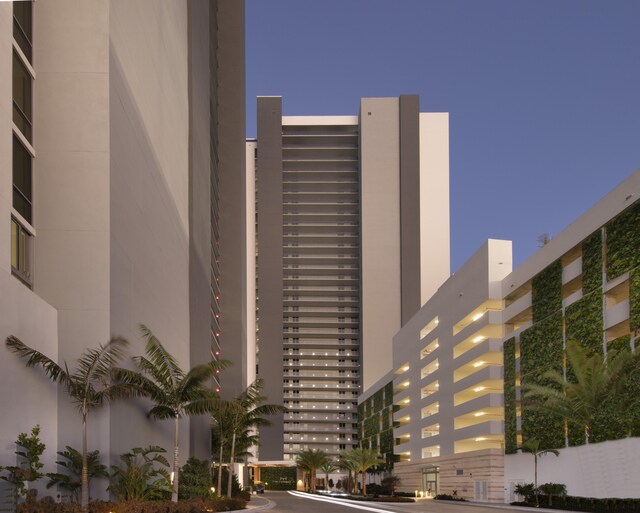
{"points": [[380, 233], [607, 469], [435, 255], [149, 180]]}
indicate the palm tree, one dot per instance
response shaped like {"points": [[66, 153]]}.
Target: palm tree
{"points": [[329, 467], [363, 460], [597, 380], [533, 446], [311, 460], [346, 464], [246, 412], [71, 481], [175, 393], [89, 386]]}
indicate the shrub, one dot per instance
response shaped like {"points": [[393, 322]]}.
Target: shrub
{"points": [[30, 448], [235, 484], [553, 489], [190, 506], [144, 475], [447, 497], [70, 481], [195, 480], [527, 491]]}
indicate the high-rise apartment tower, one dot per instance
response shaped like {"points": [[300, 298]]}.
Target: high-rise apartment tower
{"points": [[122, 147], [352, 217]]}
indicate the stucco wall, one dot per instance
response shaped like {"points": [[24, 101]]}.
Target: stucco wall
{"points": [[149, 267], [607, 469]]}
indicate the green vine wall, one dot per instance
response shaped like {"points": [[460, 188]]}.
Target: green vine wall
{"points": [[584, 321], [278, 478], [541, 350], [510, 421], [623, 242], [546, 293], [374, 422], [634, 300], [592, 262]]}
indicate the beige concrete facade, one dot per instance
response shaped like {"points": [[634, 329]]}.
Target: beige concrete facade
{"points": [[448, 383], [341, 263], [126, 164], [448, 372]]}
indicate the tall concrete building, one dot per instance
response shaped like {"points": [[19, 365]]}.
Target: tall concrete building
{"points": [[352, 217], [122, 198], [454, 409]]}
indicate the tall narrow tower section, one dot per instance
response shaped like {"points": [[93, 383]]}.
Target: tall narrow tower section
{"points": [[341, 260]]}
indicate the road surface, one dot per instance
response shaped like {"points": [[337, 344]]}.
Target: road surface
{"points": [[285, 502]]}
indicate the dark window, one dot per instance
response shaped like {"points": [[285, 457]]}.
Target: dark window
{"points": [[22, 180], [20, 252], [22, 97], [23, 26]]}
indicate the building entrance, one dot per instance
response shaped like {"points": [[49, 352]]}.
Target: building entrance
{"points": [[431, 481]]}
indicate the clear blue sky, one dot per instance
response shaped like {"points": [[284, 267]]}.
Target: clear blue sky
{"points": [[543, 95]]}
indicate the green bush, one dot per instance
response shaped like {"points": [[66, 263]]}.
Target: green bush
{"points": [[191, 506], [143, 475], [195, 480], [447, 497]]}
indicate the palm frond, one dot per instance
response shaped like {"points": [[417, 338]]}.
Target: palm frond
{"points": [[35, 358], [161, 411], [160, 357], [199, 374], [96, 364], [159, 375], [207, 403], [142, 385]]}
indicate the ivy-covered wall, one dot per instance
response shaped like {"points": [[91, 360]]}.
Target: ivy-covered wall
{"points": [[541, 349], [634, 300], [592, 262], [375, 428], [623, 242], [584, 321], [278, 478], [546, 292], [510, 422]]}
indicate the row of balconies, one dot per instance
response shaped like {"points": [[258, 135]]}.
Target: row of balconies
{"points": [[324, 373], [318, 407], [317, 417]]}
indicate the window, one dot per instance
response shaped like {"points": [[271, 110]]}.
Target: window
{"points": [[23, 26], [22, 180], [22, 97], [20, 252]]}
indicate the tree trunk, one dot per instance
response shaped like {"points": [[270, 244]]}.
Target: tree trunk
{"points": [[364, 482], [220, 466], [176, 462], [231, 456], [84, 479], [535, 479]]}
